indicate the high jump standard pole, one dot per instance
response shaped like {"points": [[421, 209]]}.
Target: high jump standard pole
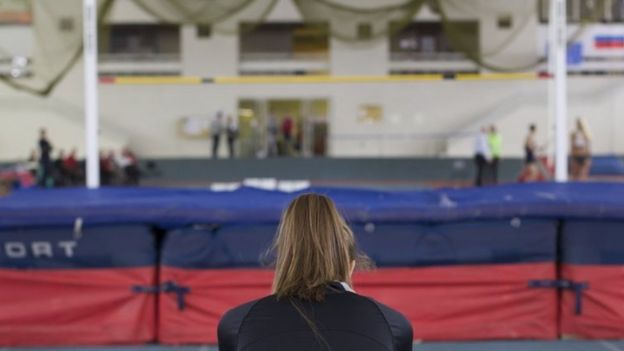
{"points": [[558, 40], [91, 92]]}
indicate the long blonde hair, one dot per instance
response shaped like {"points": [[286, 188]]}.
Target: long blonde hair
{"points": [[581, 125], [314, 247]]}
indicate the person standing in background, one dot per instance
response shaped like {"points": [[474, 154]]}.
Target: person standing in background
{"points": [[482, 156], [580, 141], [32, 164], [287, 134], [216, 128], [59, 174], [45, 162], [231, 130], [530, 172], [129, 165], [108, 168], [272, 130], [255, 137], [495, 142], [104, 176], [70, 164]]}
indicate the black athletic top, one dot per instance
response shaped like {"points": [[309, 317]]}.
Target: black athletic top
{"points": [[344, 321]]}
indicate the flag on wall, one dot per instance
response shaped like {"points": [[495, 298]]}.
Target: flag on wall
{"points": [[609, 42]]}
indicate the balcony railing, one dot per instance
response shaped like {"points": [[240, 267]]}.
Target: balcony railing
{"points": [[283, 56], [427, 56], [139, 57], [283, 63]]}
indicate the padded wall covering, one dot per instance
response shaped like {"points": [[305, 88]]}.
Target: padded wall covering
{"points": [[593, 255], [458, 262], [454, 281], [59, 286]]}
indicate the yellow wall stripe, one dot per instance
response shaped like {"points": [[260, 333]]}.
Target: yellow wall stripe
{"points": [[498, 76], [312, 79], [164, 80], [323, 79]]}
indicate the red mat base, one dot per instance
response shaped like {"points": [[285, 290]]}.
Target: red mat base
{"points": [[76, 307], [442, 303], [602, 314]]}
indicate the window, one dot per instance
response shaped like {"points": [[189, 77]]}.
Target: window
{"points": [[425, 47], [261, 121], [140, 50], [543, 10], [587, 11], [17, 48], [421, 42], [16, 38], [617, 10], [148, 42], [592, 10], [428, 40], [284, 48]]}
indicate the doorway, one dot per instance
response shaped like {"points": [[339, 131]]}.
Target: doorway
{"points": [[283, 127]]}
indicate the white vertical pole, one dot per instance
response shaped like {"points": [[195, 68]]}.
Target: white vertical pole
{"points": [[560, 78], [552, 39], [91, 92]]}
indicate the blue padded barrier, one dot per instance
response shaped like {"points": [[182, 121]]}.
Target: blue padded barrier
{"points": [[178, 207], [389, 245], [59, 247]]}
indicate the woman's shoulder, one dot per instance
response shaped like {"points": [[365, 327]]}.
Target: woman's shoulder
{"points": [[237, 314], [400, 326], [392, 316], [230, 324]]}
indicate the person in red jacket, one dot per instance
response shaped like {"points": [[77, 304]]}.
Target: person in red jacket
{"points": [[287, 134]]}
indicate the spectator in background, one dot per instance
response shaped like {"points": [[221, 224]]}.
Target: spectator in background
{"points": [[495, 142], [216, 128], [255, 138], [58, 171], [231, 130], [32, 163], [111, 160], [482, 156], [297, 143], [108, 168], [531, 171], [45, 161], [70, 164], [287, 133], [580, 145], [129, 165], [33, 156], [272, 131], [104, 176]]}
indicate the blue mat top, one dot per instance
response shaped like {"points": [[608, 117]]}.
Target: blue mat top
{"points": [[608, 165], [178, 207]]}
